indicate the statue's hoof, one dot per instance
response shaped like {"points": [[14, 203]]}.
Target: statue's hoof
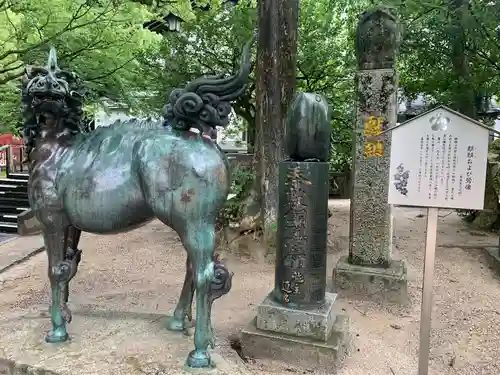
{"points": [[199, 359], [175, 324], [57, 335]]}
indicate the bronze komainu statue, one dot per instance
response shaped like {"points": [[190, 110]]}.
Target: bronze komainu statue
{"points": [[114, 179]]}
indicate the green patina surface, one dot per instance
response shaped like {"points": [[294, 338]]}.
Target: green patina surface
{"points": [[117, 178], [129, 172]]}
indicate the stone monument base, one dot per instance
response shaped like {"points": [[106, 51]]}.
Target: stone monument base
{"points": [[316, 337], [493, 256], [382, 284]]}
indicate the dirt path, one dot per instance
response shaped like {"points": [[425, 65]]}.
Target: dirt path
{"points": [[143, 271], [466, 314]]}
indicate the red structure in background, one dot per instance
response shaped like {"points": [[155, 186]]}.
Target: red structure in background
{"points": [[17, 149]]}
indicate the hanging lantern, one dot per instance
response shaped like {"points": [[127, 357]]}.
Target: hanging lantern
{"points": [[169, 23], [173, 22]]}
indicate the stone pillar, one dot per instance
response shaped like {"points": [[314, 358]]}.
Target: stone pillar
{"points": [[300, 278], [493, 174], [493, 257], [369, 270], [297, 321]]}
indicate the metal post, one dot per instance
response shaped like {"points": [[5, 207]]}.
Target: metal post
{"points": [[426, 310], [21, 159], [8, 157]]}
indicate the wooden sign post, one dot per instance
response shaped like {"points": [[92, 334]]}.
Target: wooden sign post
{"points": [[438, 160]]}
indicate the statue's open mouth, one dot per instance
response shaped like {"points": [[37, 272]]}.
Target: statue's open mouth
{"points": [[54, 98], [48, 102]]}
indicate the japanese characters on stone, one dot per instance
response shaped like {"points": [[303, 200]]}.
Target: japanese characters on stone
{"points": [[302, 258], [295, 220]]}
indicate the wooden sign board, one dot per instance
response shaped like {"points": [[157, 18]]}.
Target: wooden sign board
{"points": [[438, 159]]}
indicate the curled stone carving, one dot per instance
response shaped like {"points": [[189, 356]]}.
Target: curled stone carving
{"points": [[206, 102]]}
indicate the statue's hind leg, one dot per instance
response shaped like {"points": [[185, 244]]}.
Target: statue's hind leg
{"points": [[211, 281], [72, 256], [183, 309]]}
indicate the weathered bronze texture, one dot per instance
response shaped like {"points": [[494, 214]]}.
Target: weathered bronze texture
{"points": [[307, 136], [114, 179], [300, 278]]}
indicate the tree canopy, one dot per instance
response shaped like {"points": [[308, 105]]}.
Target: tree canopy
{"points": [[100, 40], [212, 44]]}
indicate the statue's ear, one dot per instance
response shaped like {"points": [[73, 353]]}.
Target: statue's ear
{"points": [[75, 94], [27, 75]]}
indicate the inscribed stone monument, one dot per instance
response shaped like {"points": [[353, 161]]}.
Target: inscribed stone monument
{"points": [[297, 321], [301, 271], [369, 270]]}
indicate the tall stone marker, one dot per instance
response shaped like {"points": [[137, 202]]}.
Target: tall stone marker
{"points": [[297, 322], [369, 271], [493, 253]]}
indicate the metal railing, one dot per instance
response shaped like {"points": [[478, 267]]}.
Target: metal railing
{"points": [[11, 164]]}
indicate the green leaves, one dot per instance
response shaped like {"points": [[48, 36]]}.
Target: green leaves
{"points": [[426, 56], [210, 44]]}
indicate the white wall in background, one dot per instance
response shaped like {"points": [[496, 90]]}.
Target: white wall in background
{"points": [[106, 117]]}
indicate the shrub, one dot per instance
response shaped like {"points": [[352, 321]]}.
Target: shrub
{"points": [[241, 183]]}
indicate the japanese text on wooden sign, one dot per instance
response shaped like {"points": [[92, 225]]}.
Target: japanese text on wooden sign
{"points": [[439, 160]]}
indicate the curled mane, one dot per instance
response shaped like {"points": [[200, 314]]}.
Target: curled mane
{"points": [[72, 113], [206, 102]]}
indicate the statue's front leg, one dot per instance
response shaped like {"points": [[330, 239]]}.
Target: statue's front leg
{"points": [[72, 256], [59, 273]]}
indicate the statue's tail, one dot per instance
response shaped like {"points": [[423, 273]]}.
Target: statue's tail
{"points": [[206, 102]]}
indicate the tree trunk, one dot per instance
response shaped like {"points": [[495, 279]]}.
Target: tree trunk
{"points": [[464, 100], [275, 87], [463, 90]]}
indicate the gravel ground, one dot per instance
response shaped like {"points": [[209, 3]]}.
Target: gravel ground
{"points": [[465, 337], [143, 271]]}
